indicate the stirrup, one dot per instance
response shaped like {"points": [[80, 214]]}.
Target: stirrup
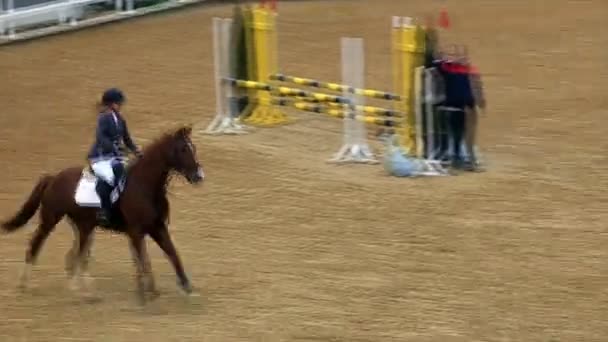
{"points": [[104, 218]]}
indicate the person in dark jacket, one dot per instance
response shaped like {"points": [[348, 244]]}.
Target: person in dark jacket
{"points": [[105, 156], [462, 96], [472, 112], [431, 54], [442, 114]]}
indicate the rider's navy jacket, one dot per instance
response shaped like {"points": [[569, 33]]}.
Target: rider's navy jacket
{"points": [[111, 131], [462, 84]]}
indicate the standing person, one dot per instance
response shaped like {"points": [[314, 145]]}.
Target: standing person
{"points": [[479, 104], [105, 155], [459, 99], [431, 56], [442, 117]]}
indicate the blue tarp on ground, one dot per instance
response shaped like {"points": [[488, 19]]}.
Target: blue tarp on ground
{"points": [[397, 163]]}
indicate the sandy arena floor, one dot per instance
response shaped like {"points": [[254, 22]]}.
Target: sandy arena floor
{"points": [[284, 247]]}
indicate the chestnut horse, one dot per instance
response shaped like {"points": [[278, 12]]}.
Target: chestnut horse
{"points": [[142, 208]]}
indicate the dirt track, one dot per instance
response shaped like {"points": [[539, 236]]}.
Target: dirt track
{"points": [[284, 247]]}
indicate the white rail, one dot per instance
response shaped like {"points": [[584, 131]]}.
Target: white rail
{"points": [[59, 11]]}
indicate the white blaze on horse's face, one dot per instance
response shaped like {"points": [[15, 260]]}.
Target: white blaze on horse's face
{"points": [[190, 146], [200, 174]]}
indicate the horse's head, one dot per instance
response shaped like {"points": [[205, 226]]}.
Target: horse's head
{"points": [[182, 156]]}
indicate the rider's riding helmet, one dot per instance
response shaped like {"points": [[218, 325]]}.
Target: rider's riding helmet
{"points": [[113, 95]]}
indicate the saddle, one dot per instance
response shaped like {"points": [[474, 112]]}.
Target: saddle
{"points": [[86, 193], [88, 173]]}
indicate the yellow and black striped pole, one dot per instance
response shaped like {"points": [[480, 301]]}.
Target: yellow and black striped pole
{"points": [[307, 82], [370, 110], [286, 91], [336, 113]]}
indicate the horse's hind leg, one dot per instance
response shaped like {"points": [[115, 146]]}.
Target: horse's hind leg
{"points": [[86, 241], [70, 257], [48, 221], [149, 282]]}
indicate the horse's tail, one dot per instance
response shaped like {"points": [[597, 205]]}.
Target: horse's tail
{"points": [[29, 208]]}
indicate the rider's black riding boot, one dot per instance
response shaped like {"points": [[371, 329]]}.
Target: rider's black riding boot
{"points": [[104, 190], [118, 169], [457, 123]]}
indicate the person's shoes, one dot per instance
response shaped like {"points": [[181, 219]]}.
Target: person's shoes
{"points": [[457, 163], [443, 159], [469, 166]]}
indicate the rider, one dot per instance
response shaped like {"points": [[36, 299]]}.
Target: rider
{"points": [[106, 153]]}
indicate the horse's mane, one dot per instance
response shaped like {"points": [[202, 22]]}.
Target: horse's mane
{"points": [[157, 147], [157, 150]]}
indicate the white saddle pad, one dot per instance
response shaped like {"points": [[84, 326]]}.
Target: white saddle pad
{"points": [[86, 195]]}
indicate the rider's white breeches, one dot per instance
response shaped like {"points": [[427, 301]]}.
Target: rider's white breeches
{"points": [[103, 169]]}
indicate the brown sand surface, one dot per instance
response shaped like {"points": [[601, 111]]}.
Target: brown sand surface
{"points": [[285, 247]]}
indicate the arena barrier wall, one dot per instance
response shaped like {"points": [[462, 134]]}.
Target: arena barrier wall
{"points": [[53, 17]]}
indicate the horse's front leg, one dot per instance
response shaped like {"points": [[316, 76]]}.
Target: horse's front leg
{"points": [[138, 250], [160, 235]]}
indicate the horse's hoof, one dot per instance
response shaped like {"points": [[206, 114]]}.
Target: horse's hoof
{"points": [[154, 294], [24, 277], [74, 285], [91, 297], [23, 284], [141, 296], [185, 286], [69, 263], [194, 294], [87, 280], [141, 300]]}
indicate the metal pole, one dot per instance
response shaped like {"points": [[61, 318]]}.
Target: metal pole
{"points": [[73, 20], [429, 99], [226, 103], [354, 148], [219, 63], [130, 6], [418, 110], [10, 8], [1, 20], [118, 5], [73, 12]]}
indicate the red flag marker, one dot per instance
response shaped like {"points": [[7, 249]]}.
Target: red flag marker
{"points": [[272, 4], [444, 19]]}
